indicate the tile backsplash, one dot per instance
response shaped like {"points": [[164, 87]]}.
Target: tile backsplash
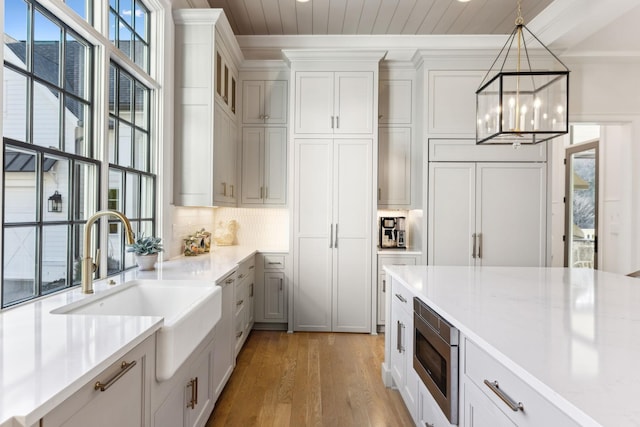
{"points": [[265, 229], [261, 228]]}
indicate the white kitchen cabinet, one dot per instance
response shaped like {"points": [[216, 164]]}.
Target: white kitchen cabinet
{"points": [[395, 102], [224, 351], [401, 332], [452, 102], [490, 214], [389, 259], [334, 102], [428, 413], [244, 297], [264, 102], [205, 119], [187, 398], [264, 166], [271, 292], [224, 160], [121, 398], [332, 235], [394, 167], [493, 392]]}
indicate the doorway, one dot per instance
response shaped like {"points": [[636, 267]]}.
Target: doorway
{"points": [[581, 205]]}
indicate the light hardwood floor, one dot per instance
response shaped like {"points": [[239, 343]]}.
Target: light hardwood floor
{"points": [[309, 379]]}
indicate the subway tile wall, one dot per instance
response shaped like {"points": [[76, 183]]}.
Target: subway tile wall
{"points": [[264, 229]]}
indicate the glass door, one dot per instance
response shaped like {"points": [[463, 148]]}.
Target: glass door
{"points": [[581, 206]]}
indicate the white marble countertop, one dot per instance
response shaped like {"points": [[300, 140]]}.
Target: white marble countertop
{"points": [[572, 334], [45, 358]]}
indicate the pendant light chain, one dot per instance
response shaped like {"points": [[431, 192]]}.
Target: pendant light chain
{"points": [[519, 18]]}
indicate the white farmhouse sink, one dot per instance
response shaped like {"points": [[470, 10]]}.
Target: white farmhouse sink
{"points": [[190, 310]]}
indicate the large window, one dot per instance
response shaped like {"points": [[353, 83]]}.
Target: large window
{"points": [[59, 168]]}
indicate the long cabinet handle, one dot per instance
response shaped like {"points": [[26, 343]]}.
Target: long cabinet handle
{"points": [[124, 368], [280, 284], [384, 285], [401, 298], [224, 186], [337, 122], [335, 244], [495, 387], [473, 246], [331, 122], [401, 337], [479, 245], [398, 333], [262, 192], [331, 237]]}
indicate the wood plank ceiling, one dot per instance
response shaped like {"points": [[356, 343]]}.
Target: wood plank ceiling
{"points": [[409, 17]]}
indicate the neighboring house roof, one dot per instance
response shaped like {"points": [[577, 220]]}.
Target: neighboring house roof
{"points": [[23, 162]]}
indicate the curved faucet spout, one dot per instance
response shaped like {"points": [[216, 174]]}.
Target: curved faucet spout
{"points": [[88, 267]]}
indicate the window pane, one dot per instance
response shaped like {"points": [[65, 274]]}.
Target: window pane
{"points": [[113, 4], [124, 10], [19, 186], [54, 257], [146, 227], [140, 52], [80, 7], [46, 116], [114, 248], [112, 90], [113, 30], [76, 129], [124, 145], [19, 264], [129, 257], [141, 106], [115, 190], [46, 49], [84, 190], [141, 145], [76, 57], [125, 90], [112, 141], [55, 178], [14, 111], [15, 30], [146, 197], [132, 196], [125, 40], [77, 240], [140, 20]]}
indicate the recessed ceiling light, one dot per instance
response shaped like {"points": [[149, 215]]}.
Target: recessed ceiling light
{"points": [[304, 1], [461, 1]]}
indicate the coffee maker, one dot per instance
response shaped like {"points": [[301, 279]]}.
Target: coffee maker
{"points": [[392, 233]]}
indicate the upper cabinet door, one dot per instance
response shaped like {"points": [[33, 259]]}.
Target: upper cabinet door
{"points": [[394, 167], [275, 102], [353, 112], [452, 102], [253, 101], [314, 102], [264, 102], [395, 102]]}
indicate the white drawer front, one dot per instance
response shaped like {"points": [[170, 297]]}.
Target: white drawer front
{"points": [[401, 298], [536, 410], [274, 262]]}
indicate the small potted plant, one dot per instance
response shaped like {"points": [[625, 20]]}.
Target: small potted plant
{"points": [[146, 251]]}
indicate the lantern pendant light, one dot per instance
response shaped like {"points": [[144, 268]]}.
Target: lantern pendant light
{"points": [[522, 102]]}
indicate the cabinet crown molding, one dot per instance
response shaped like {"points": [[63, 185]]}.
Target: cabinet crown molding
{"points": [[294, 55]]}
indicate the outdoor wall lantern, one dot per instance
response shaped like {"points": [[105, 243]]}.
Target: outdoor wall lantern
{"points": [[522, 102], [55, 202]]}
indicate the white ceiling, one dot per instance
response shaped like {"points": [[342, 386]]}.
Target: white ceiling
{"points": [[375, 17]]}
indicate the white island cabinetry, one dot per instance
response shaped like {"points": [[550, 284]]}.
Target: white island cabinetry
{"points": [[119, 396]]}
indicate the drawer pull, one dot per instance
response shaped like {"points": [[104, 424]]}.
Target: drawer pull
{"points": [[239, 334], [251, 267], [495, 387], [241, 276], [401, 298], [124, 368], [239, 302], [229, 281]]}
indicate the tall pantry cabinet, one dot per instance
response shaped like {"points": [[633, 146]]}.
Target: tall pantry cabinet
{"points": [[334, 165]]}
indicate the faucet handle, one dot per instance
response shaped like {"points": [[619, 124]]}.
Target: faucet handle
{"points": [[96, 261]]}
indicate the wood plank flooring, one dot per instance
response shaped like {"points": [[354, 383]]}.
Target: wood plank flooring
{"points": [[309, 379]]}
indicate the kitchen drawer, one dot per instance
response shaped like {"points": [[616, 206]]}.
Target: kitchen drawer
{"points": [[401, 297], [273, 262], [537, 410], [395, 260], [246, 268]]}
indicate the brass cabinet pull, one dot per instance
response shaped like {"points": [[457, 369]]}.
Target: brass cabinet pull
{"points": [[124, 368], [473, 246], [193, 383], [495, 387]]}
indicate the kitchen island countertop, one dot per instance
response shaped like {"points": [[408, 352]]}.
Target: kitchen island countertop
{"points": [[47, 357], [571, 334]]}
